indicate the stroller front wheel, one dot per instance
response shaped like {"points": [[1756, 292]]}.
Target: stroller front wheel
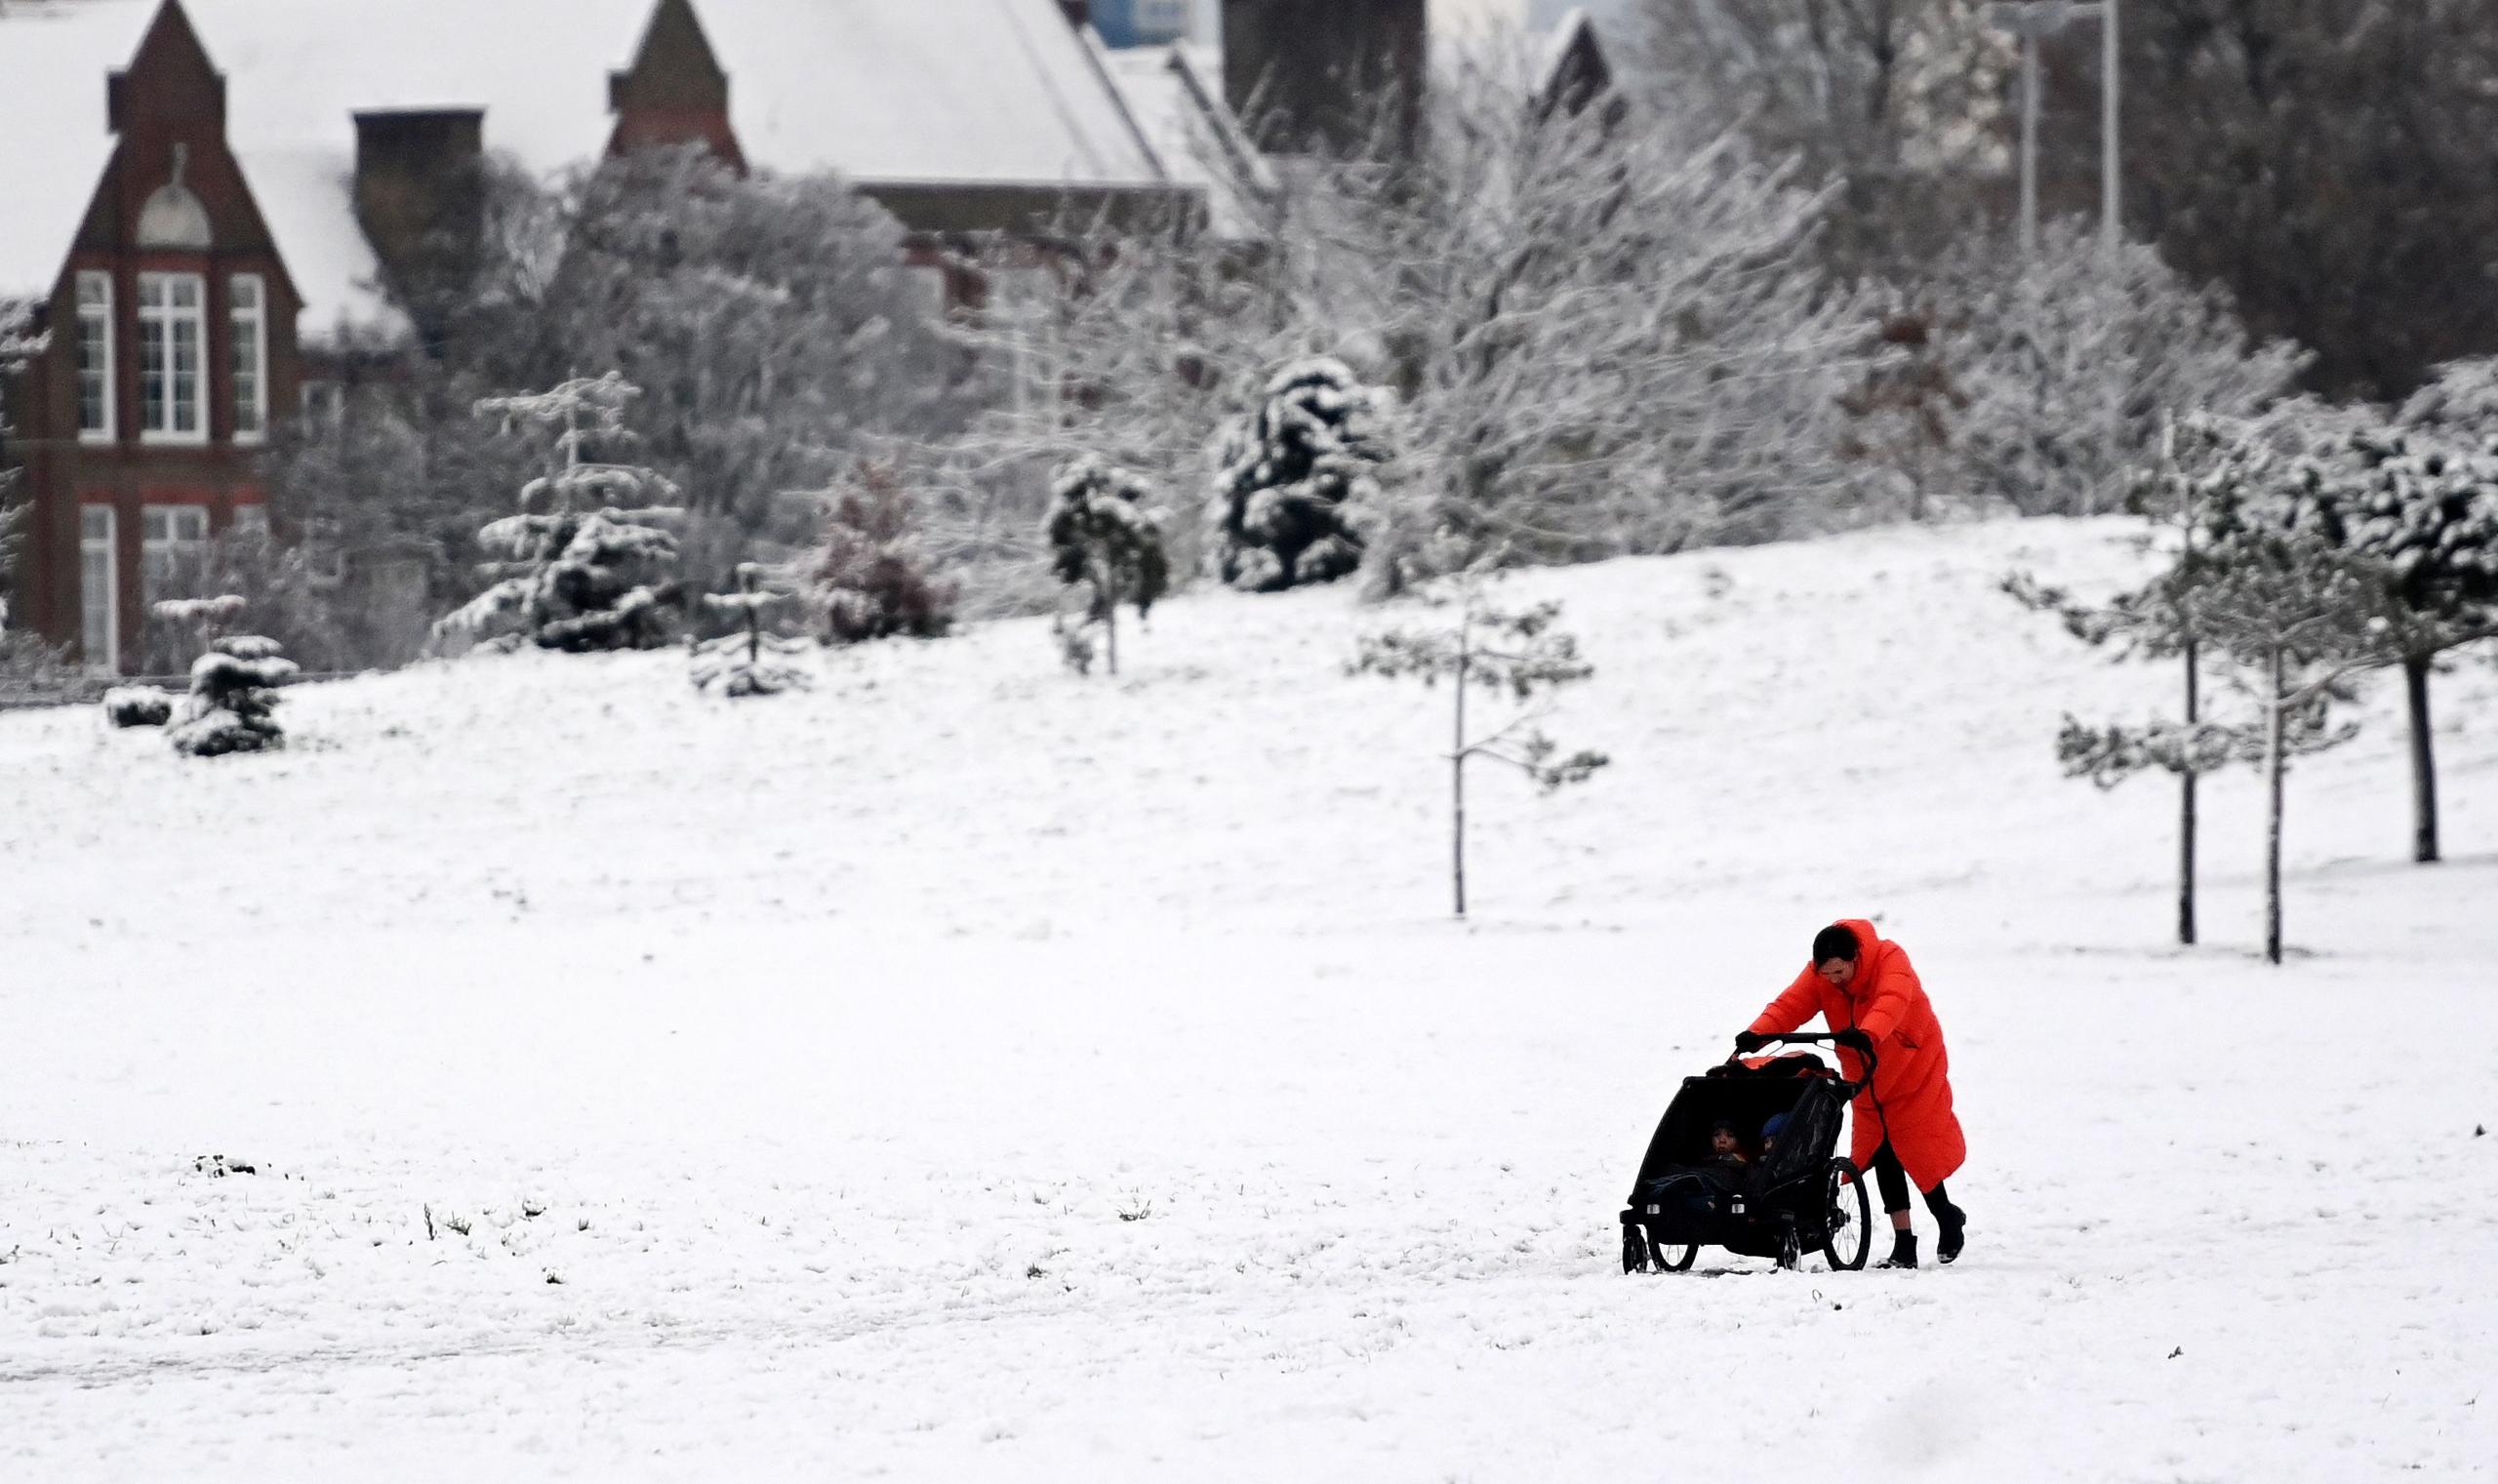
{"points": [[1850, 1222], [1681, 1260]]}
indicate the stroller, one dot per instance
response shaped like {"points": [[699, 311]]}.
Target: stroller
{"points": [[1799, 1198]]}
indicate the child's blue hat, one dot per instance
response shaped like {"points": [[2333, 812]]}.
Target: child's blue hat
{"points": [[1776, 1126]]}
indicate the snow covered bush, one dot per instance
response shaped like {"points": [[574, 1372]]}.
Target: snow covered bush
{"points": [[587, 564], [868, 574], [198, 620], [1296, 475], [751, 659], [1105, 543], [1516, 654], [233, 703], [137, 706], [2458, 408]]}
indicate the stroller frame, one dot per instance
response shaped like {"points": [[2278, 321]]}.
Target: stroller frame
{"points": [[1806, 1197]]}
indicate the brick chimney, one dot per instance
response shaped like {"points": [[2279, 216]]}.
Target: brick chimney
{"points": [[1324, 75], [421, 197]]}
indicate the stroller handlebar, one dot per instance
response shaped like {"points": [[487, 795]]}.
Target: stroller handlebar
{"points": [[1825, 1038]]}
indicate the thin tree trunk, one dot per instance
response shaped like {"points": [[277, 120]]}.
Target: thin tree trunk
{"points": [[2423, 762], [2274, 763], [1457, 765], [2186, 811], [1104, 587]]}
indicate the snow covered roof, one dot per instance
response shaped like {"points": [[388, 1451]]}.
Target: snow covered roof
{"points": [[928, 92], [297, 73], [53, 63], [1176, 96], [924, 92]]}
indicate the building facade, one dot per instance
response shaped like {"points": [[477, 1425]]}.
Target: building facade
{"points": [[171, 350], [198, 241]]}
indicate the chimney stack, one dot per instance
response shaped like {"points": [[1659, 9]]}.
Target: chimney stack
{"points": [[421, 197], [1311, 76]]}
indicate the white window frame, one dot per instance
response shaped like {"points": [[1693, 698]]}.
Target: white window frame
{"points": [[159, 310], [99, 613], [95, 300], [167, 533], [248, 322]]}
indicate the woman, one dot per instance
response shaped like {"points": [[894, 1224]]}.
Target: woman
{"points": [[1864, 988]]}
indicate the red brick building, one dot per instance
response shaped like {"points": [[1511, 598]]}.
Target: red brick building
{"points": [[171, 342], [203, 198]]}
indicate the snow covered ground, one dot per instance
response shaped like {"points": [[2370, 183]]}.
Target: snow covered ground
{"points": [[967, 1072]]}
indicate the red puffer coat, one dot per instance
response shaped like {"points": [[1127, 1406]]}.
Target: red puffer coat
{"points": [[1912, 1094]]}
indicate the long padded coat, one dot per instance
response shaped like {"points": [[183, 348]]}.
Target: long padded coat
{"points": [[1912, 1094]]}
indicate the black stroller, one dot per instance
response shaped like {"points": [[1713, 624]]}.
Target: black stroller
{"points": [[1797, 1198]]}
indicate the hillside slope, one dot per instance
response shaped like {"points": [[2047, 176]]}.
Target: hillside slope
{"points": [[971, 1071]]}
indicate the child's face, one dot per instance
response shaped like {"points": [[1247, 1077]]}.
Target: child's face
{"points": [[1723, 1142]]}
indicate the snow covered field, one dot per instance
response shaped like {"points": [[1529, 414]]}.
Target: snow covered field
{"points": [[971, 1072]]}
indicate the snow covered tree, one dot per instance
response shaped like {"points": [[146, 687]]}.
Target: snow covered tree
{"points": [[2423, 512], [1296, 476], [750, 660], [1105, 540], [868, 574], [2294, 616], [1515, 654], [233, 703], [772, 319], [1904, 104], [586, 564], [2299, 619], [1607, 334], [2065, 370], [19, 344], [2200, 459]]}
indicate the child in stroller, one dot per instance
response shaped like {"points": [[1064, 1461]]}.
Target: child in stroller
{"points": [[1700, 1186]]}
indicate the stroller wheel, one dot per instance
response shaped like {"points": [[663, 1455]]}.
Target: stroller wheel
{"points": [[1791, 1253], [1634, 1250], [1682, 1260], [1850, 1222]]}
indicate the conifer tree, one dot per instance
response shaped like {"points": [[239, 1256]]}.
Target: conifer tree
{"points": [[1105, 538], [1296, 478], [1515, 654], [232, 702], [750, 660], [587, 563]]}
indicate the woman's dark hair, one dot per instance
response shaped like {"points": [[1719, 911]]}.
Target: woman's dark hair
{"points": [[1836, 942]]}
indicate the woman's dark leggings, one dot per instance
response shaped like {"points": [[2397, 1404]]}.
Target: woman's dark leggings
{"points": [[1893, 1183]]}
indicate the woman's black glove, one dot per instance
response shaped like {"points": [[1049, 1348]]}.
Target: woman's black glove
{"points": [[1856, 1041], [1748, 1041]]}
